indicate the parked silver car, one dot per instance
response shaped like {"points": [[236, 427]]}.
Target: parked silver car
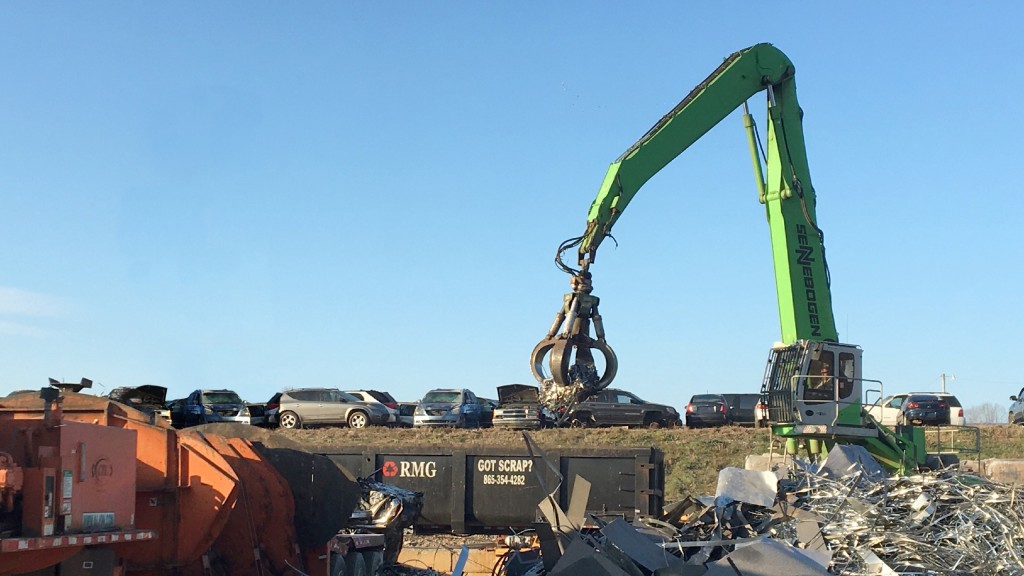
{"points": [[1017, 408], [448, 407], [327, 406]]}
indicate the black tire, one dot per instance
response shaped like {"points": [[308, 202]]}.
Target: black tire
{"points": [[652, 421], [581, 421], [338, 565], [373, 559], [394, 539], [289, 420], [355, 565], [358, 419]]}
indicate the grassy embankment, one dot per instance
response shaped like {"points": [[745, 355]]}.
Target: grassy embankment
{"points": [[692, 457]]}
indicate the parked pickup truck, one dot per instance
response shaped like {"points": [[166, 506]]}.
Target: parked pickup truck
{"points": [[519, 407], [208, 406]]}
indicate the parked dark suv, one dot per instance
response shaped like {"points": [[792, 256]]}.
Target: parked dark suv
{"points": [[747, 410], [611, 407]]}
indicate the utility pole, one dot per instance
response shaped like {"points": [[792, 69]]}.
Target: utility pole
{"points": [[943, 376]]}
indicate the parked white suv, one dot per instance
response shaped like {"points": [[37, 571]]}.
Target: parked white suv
{"points": [[889, 410], [1017, 408]]}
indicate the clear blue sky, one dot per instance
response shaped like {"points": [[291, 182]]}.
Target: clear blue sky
{"points": [[257, 195]]}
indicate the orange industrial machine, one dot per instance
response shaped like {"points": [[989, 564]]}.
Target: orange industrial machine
{"points": [[90, 486]]}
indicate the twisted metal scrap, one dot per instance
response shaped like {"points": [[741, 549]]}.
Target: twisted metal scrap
{"points": [[937, 523], [704, 532], [945, 522]]}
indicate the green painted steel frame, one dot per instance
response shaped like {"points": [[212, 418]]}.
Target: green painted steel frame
{"points": [[899, 451], [801, 273]]}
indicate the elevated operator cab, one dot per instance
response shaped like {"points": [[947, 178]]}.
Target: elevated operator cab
{"points": [[815, 384]]}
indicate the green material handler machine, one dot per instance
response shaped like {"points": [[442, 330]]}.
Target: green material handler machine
{"points": [[813, 383]]}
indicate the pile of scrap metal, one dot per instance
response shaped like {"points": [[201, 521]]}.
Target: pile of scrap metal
{"points": [[389, 509], [845, 516]]}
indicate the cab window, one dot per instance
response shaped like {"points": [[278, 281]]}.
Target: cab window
{"points": [[846, 374], [818, 384]]}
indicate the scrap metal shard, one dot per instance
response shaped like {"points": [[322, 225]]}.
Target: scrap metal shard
{"points": [[766, 558], [750, 486]]}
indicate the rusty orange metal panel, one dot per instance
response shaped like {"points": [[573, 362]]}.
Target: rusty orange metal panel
{"points": [[157, 455], [97, 473], [191, 516], [263, 515], [26, 561]]}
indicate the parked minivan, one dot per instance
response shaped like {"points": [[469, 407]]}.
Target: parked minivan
{"points": [[209, 406], [448, 407]]}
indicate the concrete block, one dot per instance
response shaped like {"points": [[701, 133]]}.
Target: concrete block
{"points": [[778, 463], [1005, 471]]}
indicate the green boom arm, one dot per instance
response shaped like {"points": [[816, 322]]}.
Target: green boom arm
{"points": [[801, 273]]}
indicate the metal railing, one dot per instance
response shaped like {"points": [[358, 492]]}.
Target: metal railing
{"points": [[960, 440]]}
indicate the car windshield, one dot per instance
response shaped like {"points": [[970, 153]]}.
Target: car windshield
{"points": [[924, 398], [442, 396], [706, 398], [221, 397]]}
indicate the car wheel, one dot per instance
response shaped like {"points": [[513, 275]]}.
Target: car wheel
{"points": [[358, 420], [289, 420], [652, 422], [337, 564], [579, 422], [373, 560], [355, 565], [393, 542]]}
